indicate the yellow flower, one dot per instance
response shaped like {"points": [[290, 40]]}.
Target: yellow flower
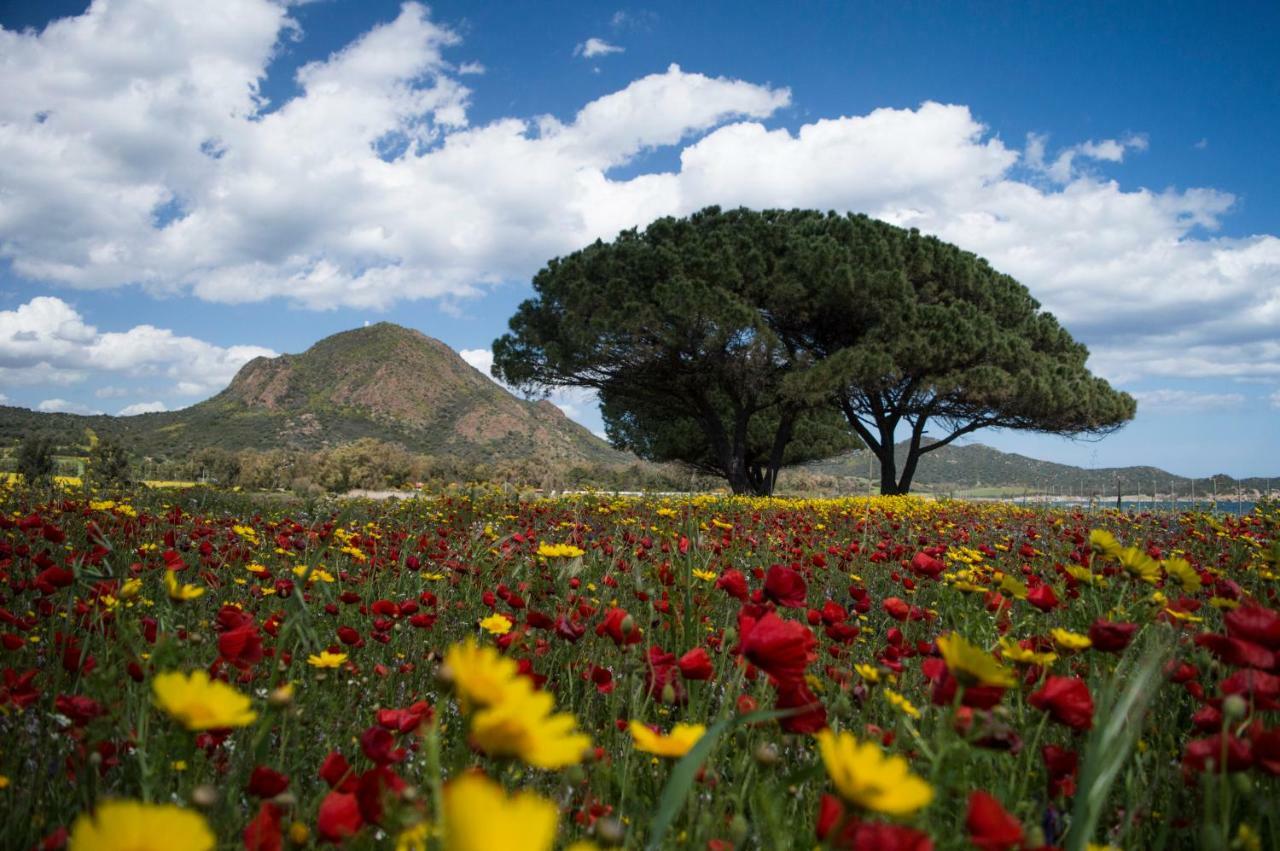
{"points": [[200, 703], [130, 588], [481, 675], [135, 826], [1181, 571], [522, 725], [868, 672], [1104, 543], [1013, 652], [706, 575], [676, 743], [1014, 587], [180, 593], [972, 665], [1083, 574], [1068, 640], [480, 816], [496, 624], [865, 777], [558, 550], [904, 705], [1140, 565], [325, 659], [414, 838]]}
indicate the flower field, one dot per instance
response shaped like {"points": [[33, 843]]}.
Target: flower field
{"points": [[198, 670]]}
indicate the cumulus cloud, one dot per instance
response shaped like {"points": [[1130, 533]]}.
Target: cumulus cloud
{"points": [[165, 169], [594, 47], [481, 359], [47, 341], [575, 402], [142, 408], [1065, 166], [1185, 400], [62, 406]]}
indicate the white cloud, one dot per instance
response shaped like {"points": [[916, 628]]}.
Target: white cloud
{"points": [[161, 167], [576, 403], [1167, 400], [4, 400], [142, 408], [47, 341], [481, 359], [62, 406], [1275, 399], [594, 47], [1064, 167], [471, 68]]}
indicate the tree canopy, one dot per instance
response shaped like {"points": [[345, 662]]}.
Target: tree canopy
{"points": [[907, 330], [735, 341], [665, 323]]}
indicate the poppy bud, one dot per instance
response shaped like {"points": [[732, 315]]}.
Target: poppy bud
{"points": [[767, 753], [204, 796], [739, 829], [610, 831], [281, 696]]}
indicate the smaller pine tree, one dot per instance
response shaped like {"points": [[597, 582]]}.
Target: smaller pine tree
{"points": [[108, 463], [35, 459]]}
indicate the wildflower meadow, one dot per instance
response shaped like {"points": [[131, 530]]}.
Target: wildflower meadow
{"points": [[198, 670]]}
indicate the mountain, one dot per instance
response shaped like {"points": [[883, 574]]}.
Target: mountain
{"points": [[381, 381], [973, 468]]}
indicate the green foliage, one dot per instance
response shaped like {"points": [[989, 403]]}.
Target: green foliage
{"points": [[667, 325], [35, 459], [108, 463], [906, 330]]}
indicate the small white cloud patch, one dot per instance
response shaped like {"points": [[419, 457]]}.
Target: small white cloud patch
{"points": [[593, 47]]}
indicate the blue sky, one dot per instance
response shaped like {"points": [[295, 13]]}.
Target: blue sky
{"points": [[182, 188]]}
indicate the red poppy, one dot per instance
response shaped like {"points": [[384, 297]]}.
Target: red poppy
{"points": [[696, 664], [733, 583], [339, 817], [619, 626], [926, 565], [266, 782], [1061, 765], [263, 833], [991, 828], [811, 715], [1111, 636], [781, 648], [785, 587], [1067, 700], [1254, 623], [1043, 598], [896, 608]]}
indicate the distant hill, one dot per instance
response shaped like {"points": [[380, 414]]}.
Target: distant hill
{"points": [[382, 381], [974, 467]]}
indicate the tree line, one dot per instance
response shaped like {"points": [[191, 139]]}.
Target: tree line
{"points": [[738, 342]]}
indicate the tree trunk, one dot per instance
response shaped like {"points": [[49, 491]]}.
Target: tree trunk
{"points": [[888, 464]]}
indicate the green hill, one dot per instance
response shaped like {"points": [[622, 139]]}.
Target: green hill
{"points": [[978, 469], [382, 381]]}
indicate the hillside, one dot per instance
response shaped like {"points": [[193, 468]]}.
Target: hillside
{"points": [[974, 467], [381, 381]]}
